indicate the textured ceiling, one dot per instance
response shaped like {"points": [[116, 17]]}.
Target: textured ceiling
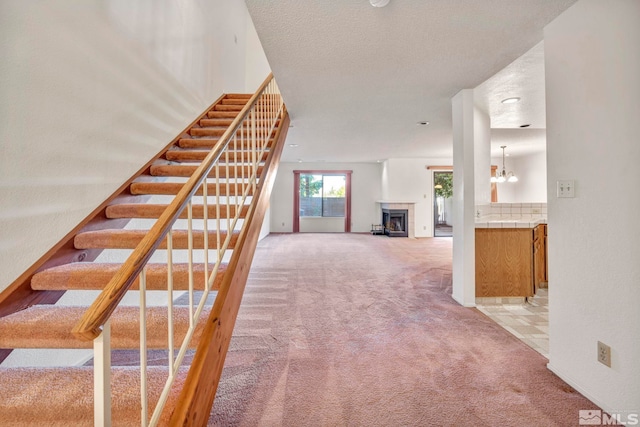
{"points": [[523, 78], [357, 79]]}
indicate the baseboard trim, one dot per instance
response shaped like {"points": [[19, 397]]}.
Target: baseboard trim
{"points": [[580, 389], [462, 303]]}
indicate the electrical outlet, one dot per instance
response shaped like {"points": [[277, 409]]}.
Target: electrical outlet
{"points": [[604, 354]]}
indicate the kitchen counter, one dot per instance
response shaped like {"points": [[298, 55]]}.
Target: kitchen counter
{"points": [[510, 222]]}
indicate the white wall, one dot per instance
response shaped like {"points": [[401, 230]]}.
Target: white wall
{"points": [[531, 171], [482, 155], [257, 66], [464, 132], [532, 178], [365, 190], [322, 225], [266, 225], [507, 190], [448, 210], [408, 180], [90, 91], [593, 104]]}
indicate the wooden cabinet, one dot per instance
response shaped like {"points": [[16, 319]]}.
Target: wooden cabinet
{"points": [[540, 256], [504, 262], [510, 262]]}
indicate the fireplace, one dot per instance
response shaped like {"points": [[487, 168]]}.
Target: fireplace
{"points": [[395, 222]]}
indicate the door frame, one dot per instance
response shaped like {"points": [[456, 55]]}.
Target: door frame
{"points": [[434, 171]]}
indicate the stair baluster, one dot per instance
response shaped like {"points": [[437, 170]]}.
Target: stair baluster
{"points": [[236, 174]]}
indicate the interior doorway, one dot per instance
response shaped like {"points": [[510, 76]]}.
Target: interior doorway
{"points": [[322, 201], [443, 204]]}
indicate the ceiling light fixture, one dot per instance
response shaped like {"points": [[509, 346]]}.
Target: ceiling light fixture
{"points": [[504, 176], [379, 3], [293, 145], [510, 100]]}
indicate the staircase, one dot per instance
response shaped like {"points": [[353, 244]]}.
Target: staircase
{"points": [[193, 219]]}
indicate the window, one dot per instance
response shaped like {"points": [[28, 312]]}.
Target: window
{"points": [[322, 195]]}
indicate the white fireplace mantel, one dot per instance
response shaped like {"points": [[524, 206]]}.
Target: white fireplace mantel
{"points": [[395, 202]]}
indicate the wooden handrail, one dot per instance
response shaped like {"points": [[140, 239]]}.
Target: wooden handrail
{"points": [[90, 325], [197, 395]]}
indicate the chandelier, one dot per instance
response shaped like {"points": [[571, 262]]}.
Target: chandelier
{"points": [[503, 175]]}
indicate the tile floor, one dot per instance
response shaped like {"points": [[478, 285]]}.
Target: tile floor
{"points": [[529, 321]]}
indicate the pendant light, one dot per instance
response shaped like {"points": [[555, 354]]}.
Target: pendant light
{"points": [[503, 175]]}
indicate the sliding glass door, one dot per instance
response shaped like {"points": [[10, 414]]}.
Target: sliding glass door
{"points": [[442, 204]]}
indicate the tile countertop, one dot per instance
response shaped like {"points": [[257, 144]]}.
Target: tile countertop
{"points": [[510, 222]]}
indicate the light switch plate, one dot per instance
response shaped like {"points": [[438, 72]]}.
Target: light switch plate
{"points": [[566, 188]]}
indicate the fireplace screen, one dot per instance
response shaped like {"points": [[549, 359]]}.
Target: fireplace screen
{"points": [[395, 222]]}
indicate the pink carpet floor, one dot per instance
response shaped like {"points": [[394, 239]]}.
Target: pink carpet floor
{"points": [[360, 330]]}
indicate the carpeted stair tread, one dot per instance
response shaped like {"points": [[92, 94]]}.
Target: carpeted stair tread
{"points": [[208, 131], [213, 130], [234, 101], [49, 326], [227, 122], [57, 397], [216, 122], [172, 188], [246, 96], [222, 114], [141, 210], [197, 142], [211, 142], [188, 170], [199, 155], [129, 239], [223, 107], [95, 276]]}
